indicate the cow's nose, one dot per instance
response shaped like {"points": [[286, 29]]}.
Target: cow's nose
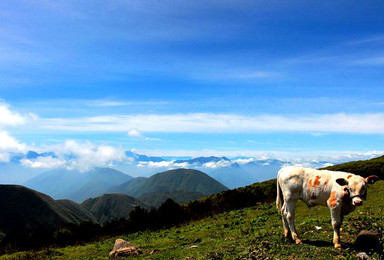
{"points": [[358, 202]]}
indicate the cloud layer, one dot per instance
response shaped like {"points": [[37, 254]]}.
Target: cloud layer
{"points": [[369, 123]]}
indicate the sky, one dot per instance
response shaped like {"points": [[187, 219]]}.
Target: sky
{"points": [[174, 78]]}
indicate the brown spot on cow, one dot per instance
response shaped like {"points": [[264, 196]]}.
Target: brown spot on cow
{"points": [[332, 201], [349, 176], [315, 183], [326, 182]]}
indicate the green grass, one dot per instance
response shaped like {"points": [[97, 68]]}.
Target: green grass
{"points": [[251, 233]]}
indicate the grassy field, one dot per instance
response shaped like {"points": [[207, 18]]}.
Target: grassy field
{"points": [[251, 233]]}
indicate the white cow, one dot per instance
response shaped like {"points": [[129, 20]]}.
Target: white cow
{"points": [[340, 191]]}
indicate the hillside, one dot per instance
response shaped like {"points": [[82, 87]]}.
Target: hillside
{"points": [[75, 185], [111, 206], [180, 196], [26, 209], [77, 210], [251, 233], [364, 168], [169, 181]]}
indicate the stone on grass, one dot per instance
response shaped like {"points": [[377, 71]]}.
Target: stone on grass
{"points": [[368, 240], [123, 248]]}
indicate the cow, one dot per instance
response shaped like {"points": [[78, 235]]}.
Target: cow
{"points": [[340, 191]]}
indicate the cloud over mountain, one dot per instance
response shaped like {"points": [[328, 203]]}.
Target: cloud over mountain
{"points": [[78, 155]]}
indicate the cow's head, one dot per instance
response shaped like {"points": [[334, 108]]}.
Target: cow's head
{"points": [[356, 187]]}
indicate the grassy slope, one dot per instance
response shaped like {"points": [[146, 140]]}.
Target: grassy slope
{"points": [[240, 234]]}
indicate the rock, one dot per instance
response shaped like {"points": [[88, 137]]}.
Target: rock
{"points": [[123, 248], [362, 255], [367, 240]]}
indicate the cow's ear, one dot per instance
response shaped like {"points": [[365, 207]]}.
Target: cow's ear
{"points": [[342, 181], [372, 179]]}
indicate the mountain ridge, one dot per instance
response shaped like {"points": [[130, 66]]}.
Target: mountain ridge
{"points": [[75, 185], [187, 180]]}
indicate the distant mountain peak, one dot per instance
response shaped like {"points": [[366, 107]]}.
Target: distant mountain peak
{"points": [[143, 158], [203, 160], [169, 181]]}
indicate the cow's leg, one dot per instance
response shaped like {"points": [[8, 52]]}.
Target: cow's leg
{"points": [[337, 220], [290, 217], [285, 222]]}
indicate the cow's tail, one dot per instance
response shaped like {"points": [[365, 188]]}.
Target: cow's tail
{"points": [[279, 197]]}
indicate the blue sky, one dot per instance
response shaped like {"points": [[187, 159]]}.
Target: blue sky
{"points": [[193, 77]]}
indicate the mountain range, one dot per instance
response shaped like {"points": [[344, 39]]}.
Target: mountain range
{"points": [[27, 209], [187, 180], [233, 173], [76, 185]]}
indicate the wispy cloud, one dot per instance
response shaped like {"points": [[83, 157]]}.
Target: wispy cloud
{"points": [[375, 39], [370, 123], [364, 52], [115, 103], [237, 74]]}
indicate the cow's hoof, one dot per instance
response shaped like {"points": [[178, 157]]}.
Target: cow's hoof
{"points": [[298, 241], [338, 246]]}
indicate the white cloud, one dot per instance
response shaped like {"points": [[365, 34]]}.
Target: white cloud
{"points": [[44, 162], [173, 164], [163, 164], [82, 156], [9, 145], [245, 161], [8, 117], [135, 133], [215, 165], [369, 123]]}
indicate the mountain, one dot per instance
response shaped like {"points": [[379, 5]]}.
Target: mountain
{"points": [[76, 185], [172, 180], [26, 209], [155, 199], [263, 169], [203, 160], [77, 210], [374, 166], [143, 158], [233, 176], [131, 187], [14, 173], [111, 206]]}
